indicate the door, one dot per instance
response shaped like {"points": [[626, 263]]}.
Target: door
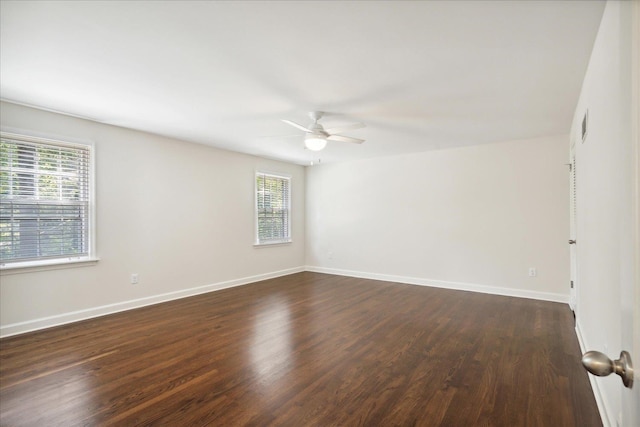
{"points": [[608, 196], [631, 288], [573, 300], [630, 285]]}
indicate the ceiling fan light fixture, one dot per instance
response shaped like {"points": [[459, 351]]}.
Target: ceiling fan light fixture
{"points": [[315, 142]]}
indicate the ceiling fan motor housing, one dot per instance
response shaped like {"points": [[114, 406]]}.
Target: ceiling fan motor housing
{"points": [[317, 130]]}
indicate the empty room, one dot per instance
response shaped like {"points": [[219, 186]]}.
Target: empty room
{"points": [[320, 213]]}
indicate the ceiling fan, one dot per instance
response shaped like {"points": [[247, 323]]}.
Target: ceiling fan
{"points": [[316, 136]]}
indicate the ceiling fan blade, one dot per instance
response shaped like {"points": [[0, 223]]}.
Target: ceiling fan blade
{"points": [[295, 125], [344, 128], [345, 139]]}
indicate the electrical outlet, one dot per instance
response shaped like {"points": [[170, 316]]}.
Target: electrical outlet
{"points": [[533, 272], [134, 278]]}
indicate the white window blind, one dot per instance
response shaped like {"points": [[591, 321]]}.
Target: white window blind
{"points": [[273, 201], [44, 200]]}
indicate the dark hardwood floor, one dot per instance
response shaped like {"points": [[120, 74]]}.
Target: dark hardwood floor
{"points": [[305, 350]]}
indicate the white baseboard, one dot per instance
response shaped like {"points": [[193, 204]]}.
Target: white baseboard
{"points": [[460, 286], [75, 316], [607, 419]]}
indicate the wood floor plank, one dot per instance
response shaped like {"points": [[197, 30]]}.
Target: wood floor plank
{"points": [[307, 349]]}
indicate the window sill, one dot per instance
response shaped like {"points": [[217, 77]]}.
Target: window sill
{"points": [[35, 266], [271, 244]]}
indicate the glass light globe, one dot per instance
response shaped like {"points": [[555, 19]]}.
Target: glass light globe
{"points": [[315, 143]]}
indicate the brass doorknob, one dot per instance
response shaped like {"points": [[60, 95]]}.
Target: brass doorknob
{"points": [[599, 364]]}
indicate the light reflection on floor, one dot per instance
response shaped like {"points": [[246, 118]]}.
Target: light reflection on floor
{"points": [[271, 347]]}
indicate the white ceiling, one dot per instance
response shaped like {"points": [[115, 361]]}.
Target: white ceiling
{"points": [[422, 75]]}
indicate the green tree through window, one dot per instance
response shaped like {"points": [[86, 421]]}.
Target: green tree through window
{"points": [[273, 196], [44, 199]]}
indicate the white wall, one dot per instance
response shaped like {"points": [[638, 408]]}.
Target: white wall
{"points": [[178, 214], [605, 220], [469, 218]]}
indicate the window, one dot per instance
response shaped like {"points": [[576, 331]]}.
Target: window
{"points": [[273, 201], [45, 201]]}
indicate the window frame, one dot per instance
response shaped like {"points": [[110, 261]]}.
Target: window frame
{"points": [[46, 263], [271, 242]]}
